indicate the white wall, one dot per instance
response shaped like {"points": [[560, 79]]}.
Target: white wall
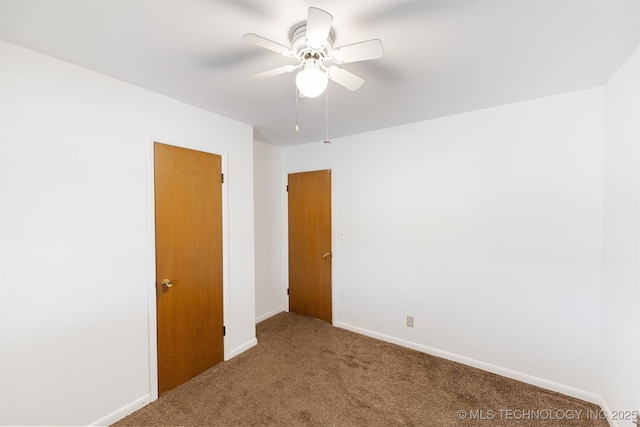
{"points": [[269, 188], [621, 267], [76, 230], [486, 227]]}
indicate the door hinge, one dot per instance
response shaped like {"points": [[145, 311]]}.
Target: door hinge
{"points": [[287, 188], [222, 178], [224, 331], [287, 291]]}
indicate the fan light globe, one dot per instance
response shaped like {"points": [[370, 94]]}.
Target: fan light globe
{"points": [[311, 81]]}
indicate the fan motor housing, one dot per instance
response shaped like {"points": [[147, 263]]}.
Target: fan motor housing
{"points": [[299, 43]]}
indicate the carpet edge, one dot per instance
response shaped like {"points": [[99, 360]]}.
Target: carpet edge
{"points": [[127, 409], [485, 366]]}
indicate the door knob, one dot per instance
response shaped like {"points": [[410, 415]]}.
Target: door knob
{"points": [[326, 255], [167, 283]]}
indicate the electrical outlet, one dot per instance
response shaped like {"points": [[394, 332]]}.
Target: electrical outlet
{"points": [[410, 321]]}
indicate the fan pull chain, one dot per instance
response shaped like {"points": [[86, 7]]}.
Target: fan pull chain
{"points": [[326, 114], [297, 97]]}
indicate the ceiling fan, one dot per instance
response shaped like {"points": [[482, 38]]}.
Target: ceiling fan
{"points": [[312, 46]]}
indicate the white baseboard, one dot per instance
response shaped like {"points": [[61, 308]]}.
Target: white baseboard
{"points": [[268, 315], [146, 399], [241, 348], [505, 372], [123, 412], [605, 408]]}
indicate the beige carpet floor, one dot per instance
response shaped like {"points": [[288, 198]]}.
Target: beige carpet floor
{"points": [[305, 372]]}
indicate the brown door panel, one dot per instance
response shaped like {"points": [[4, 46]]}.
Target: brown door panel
{"points": [[188, 206], [310, 259]]}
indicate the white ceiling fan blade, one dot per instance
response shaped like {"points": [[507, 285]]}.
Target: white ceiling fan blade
{"points": [[274, 72], [318, 27], [345, 78], [363, 51], [268, 44]]}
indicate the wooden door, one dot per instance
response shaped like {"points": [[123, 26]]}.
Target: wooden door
{"points": [[188, 207], [310, 244]]}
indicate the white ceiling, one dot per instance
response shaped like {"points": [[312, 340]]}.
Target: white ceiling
{"points": [[441, 57]]}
